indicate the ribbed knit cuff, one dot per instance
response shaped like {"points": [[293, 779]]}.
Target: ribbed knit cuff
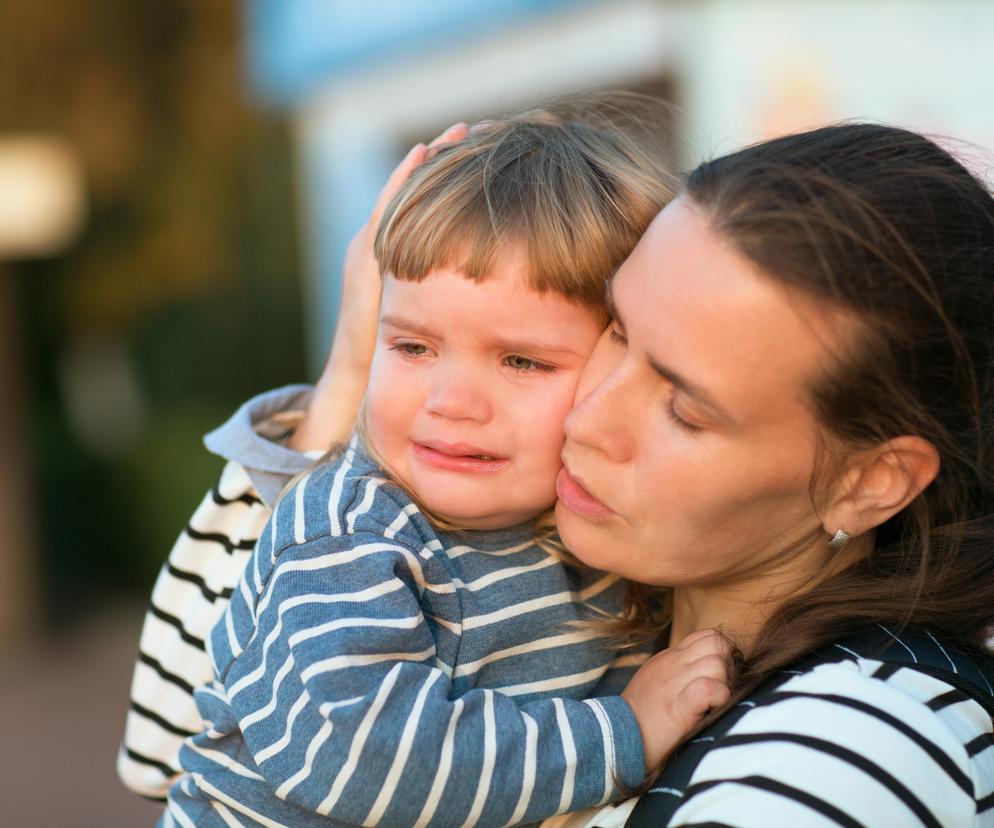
{"points": [[629, 754]]}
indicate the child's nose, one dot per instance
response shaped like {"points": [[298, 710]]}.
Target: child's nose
{"points": [[457, 395]]}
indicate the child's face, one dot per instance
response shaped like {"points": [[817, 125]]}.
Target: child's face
{"points": [[470, 385]]}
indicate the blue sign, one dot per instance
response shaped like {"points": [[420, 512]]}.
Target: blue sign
{"points": [[294, 45]]}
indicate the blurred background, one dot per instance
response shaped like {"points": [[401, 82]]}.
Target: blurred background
{"points": [[178, 181]]}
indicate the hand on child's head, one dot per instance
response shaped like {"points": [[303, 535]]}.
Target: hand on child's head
{"points": [[456, 132]]}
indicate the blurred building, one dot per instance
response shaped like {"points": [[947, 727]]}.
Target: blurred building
{"points": [[365, 79]]}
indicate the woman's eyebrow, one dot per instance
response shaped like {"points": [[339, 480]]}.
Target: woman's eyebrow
{"points": [[691, 389]]}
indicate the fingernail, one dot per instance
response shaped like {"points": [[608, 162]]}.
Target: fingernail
{"points": [[480, 126]]}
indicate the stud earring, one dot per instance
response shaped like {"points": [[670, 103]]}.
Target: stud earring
{"points": [[839, 539]]}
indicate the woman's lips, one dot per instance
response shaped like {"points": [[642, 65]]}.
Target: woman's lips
{"points": [[447, 459], [577, 499]]}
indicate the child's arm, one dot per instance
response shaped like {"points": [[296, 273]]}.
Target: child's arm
{"points": [[190, 594], [345, 711]]}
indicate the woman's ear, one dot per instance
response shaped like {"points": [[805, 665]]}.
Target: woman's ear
{"points": [[879, 483]]}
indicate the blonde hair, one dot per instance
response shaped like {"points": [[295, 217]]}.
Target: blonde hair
{"points": [[574, 185]]}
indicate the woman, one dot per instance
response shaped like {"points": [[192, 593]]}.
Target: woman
{"points": [[785, 433], [789, 424]]}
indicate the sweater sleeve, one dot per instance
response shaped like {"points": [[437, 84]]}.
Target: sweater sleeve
{"points": [[189, 596], [837, 746], [334, 685], [252, 438]]}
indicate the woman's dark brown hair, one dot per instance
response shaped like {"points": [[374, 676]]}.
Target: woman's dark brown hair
{"points": [[887, 226]]}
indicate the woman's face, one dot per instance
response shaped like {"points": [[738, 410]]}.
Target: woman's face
{"points": [[689, 453]]}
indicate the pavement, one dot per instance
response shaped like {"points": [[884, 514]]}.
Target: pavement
{"points": [[62, 708]]}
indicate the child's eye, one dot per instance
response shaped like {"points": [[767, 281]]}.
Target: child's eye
{"points": [[411, 349], [526, 365]]}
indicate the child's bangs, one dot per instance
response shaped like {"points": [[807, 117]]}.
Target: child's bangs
{"points": [[439, 222], [564, 195]]}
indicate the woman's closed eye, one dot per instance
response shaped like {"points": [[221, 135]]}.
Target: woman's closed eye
{"points": [[673, 405], [679, 421]]}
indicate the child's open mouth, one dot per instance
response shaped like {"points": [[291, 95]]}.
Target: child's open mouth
{"points": [[461, 457]]}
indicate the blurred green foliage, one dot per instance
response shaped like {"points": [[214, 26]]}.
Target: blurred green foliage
{"points": [[188, 260]]}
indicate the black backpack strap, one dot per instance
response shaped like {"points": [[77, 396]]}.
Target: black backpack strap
{"points": [[914, 650], [964, 687], [922, 652]]}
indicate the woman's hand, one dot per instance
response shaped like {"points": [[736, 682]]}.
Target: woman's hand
{"points": [[340, 389], [675, 688]]}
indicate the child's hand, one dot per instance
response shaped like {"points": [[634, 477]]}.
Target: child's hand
{"points": [[340, 389], [675, 688]]}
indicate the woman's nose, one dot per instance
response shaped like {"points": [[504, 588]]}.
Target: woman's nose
{"points": [[603, 414], [457, 394]]}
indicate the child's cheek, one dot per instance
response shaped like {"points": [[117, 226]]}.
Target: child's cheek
{"points": [[547, 423], [381, 418]]}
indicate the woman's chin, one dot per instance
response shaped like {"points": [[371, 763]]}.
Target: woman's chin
{"points": [[584, 538]]}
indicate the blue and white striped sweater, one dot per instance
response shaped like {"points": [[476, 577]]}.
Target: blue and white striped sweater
{"points": [[356, 670]]}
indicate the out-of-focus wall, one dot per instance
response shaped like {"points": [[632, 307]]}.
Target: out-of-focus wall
{"points": [[740, 69], [763, 67]]}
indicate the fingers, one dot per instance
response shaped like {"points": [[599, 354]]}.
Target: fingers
{"points": [[415, 156], [709, 666], [418, 154], [694, 637], [700, 696], [481, 127], [456, 132], [674, 689], [705, 641]]}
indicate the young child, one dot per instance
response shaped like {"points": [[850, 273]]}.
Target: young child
{"points": [[403, 647]]}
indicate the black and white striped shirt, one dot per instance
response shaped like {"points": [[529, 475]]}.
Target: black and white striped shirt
{"points": [[854, 742], [190, 594]]}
